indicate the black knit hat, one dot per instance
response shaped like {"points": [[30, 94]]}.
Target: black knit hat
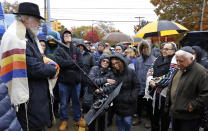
{"points": [[31, 9], [188, 49], [67, 31]]}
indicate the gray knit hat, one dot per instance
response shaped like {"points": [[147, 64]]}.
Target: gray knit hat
{"points": [[188, 49]]}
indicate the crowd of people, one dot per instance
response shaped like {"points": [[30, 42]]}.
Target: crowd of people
{"points": [[40, 78]]}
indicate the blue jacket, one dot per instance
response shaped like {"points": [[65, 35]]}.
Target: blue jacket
{"points": [[142, 66], [8, 119]]}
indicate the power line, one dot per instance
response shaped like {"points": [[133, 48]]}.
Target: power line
{"points": [[98, 8], [105, 21], [96, 20]]}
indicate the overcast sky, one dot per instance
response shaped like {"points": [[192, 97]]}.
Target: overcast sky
{"points": [[124, 11]]}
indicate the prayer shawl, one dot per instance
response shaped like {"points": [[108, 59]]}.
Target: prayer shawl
{"points": [[13, 63]]}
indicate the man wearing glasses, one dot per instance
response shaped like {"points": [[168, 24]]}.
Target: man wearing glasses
{"points": [[69, 80], [158, 77]]}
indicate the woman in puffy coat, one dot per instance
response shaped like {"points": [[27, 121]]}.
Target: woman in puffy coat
{"points": [[8, 119], [100, 75]]}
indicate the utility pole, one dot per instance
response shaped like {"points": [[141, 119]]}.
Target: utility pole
{"points": [[48, 14], [45, 15], [92, 31], [202, 15], [139, 19]]}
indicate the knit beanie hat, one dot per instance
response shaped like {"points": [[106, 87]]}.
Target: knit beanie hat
{"points": [[188, 49]]}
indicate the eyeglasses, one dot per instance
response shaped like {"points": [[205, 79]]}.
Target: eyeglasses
{"points": [[115, 63], [106, 61], [67, 35], [166, 49]]}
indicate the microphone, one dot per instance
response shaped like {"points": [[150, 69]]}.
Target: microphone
{"points": [[49, 37]]}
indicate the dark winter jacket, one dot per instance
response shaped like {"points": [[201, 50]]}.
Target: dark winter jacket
{"points": [[51, 50], [38, 107], [192, 90], [204, 62], [161, 66], [200, 56], [143, 63], [125, 102], [8, 119], [100, 75], [66, 58], [88, 62]]}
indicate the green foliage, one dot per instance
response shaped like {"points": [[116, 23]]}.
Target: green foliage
{"points": [[185, 12]]}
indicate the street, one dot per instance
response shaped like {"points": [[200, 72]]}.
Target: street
{"points": [[72, 127]]}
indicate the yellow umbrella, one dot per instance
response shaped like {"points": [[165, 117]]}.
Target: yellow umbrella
{"points": [[160, 28]]}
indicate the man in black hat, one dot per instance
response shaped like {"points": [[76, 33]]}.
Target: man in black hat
{"points": [[188, 92], [29, 91]]}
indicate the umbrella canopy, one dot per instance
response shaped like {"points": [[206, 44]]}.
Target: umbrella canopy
{"points": [[199, 38], [117, 37], [160, 28]]}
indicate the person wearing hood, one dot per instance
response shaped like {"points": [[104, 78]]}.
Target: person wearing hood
{"points": [[103, 77], [119, 49], [69, 80], [199, 55], [50, 52], [52, 45], [124, 104], [99, 52], [143, 63], [43, 43], [88, 62]]}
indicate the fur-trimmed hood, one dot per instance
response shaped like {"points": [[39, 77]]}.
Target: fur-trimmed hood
{"points": [[145, 45]]}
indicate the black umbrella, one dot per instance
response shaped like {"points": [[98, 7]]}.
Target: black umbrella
{"points": [[198, 38]]}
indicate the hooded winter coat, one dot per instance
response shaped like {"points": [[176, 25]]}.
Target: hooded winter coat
{"points": [[88, 62], [143, 63], [200, 56], [8, 119], [98, 76], [125, 102]]}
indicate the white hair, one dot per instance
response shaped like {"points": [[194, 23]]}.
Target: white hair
{"points": [[184, 53], [31, 28], [22, 17]]}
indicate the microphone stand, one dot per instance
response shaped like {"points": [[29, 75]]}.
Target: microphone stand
{"points": [[52, 38]]}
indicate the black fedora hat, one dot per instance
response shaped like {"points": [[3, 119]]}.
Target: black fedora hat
{"points": [[27, 8]]}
